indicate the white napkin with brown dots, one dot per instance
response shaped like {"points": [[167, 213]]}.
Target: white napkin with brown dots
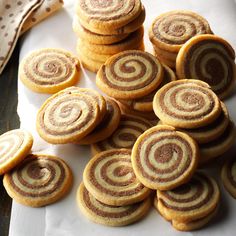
{"points": [[16, 17]]}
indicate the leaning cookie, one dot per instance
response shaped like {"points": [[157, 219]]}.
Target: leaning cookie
{"points": [[110, 215], [39, 180], [49, 70], [14, 147], [228, 176]]}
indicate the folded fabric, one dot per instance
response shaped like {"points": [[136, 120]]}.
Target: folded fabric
{"points": [[16, 17]]}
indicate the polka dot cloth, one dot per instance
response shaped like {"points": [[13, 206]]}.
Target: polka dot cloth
{"points": [[16, 17]]}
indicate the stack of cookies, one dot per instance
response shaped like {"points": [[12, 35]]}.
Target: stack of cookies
{"points": [[132, 77], [105, 28], [110, 193], [171, 30], [77, 115], [31, 179], [192, 107]]}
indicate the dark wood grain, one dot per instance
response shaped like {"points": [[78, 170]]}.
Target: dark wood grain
{"points": [[8, 120]]}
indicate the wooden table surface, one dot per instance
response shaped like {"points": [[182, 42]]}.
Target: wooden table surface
{"points": [[8, 120]]}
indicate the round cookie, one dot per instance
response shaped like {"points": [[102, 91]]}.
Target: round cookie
{"points": [[107, 126], [188, 226], [228, 176], [133, 41], [169, 31], [128, 131], [66, 117], [109, 177], [39, 180], [186, 104], [95, 38], [108, 14], [217, 147], [110, 215], [163, 158], [49, 70], [192, 201], [145, 103], [211, 59], [14, 146], [130, 74]]}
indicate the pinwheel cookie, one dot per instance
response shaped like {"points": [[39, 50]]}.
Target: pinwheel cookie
{"points": [[39, 180], [49, 70], [110, 215], [186, 104], [211, 59], [14, 147], [109, 177], [163, 158], [128, 131], [130, 74]]}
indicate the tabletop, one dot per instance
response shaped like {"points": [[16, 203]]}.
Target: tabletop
{"points": [[8, 120]]}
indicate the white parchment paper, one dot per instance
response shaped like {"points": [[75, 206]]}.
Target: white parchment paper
{"points": [[64, 217]]}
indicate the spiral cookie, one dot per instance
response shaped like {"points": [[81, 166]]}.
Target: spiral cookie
{"points": [[108, 14], [107, 126], [67, 117], [130, 74], [211, 59], [191, 201], [109, 177], [186, 104], [164, 158], [14, 146], [49, 70], [128, 131], [171, 30], [218, 146], [145, 103], [228, 176], [39, 180], [110, 215]]}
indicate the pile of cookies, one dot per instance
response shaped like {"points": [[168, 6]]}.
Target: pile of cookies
{"points": [[49, 70], [105, 28], [192, 107], [132, 77], [170, 30], [31, 179], [183, 40], [77, 115]]}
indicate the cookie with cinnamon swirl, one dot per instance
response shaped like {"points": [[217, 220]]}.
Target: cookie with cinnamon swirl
{"points": [[211, 59], [186, 104], [49, 70], [39, 180], [14, 147], [189, 202], [105, 214], [130, 74], [110, 178], [163, 158]]}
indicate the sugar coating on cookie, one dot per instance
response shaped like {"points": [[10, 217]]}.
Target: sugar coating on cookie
{"points": [[110, 215], [191, 201], [228, 176], [14, 147], [128, 131], [211, 59], [66, 117], [39, 180], [186, 104], [164, 158], [172, 29], [110, 178], [49, 70], [130, 74]]}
